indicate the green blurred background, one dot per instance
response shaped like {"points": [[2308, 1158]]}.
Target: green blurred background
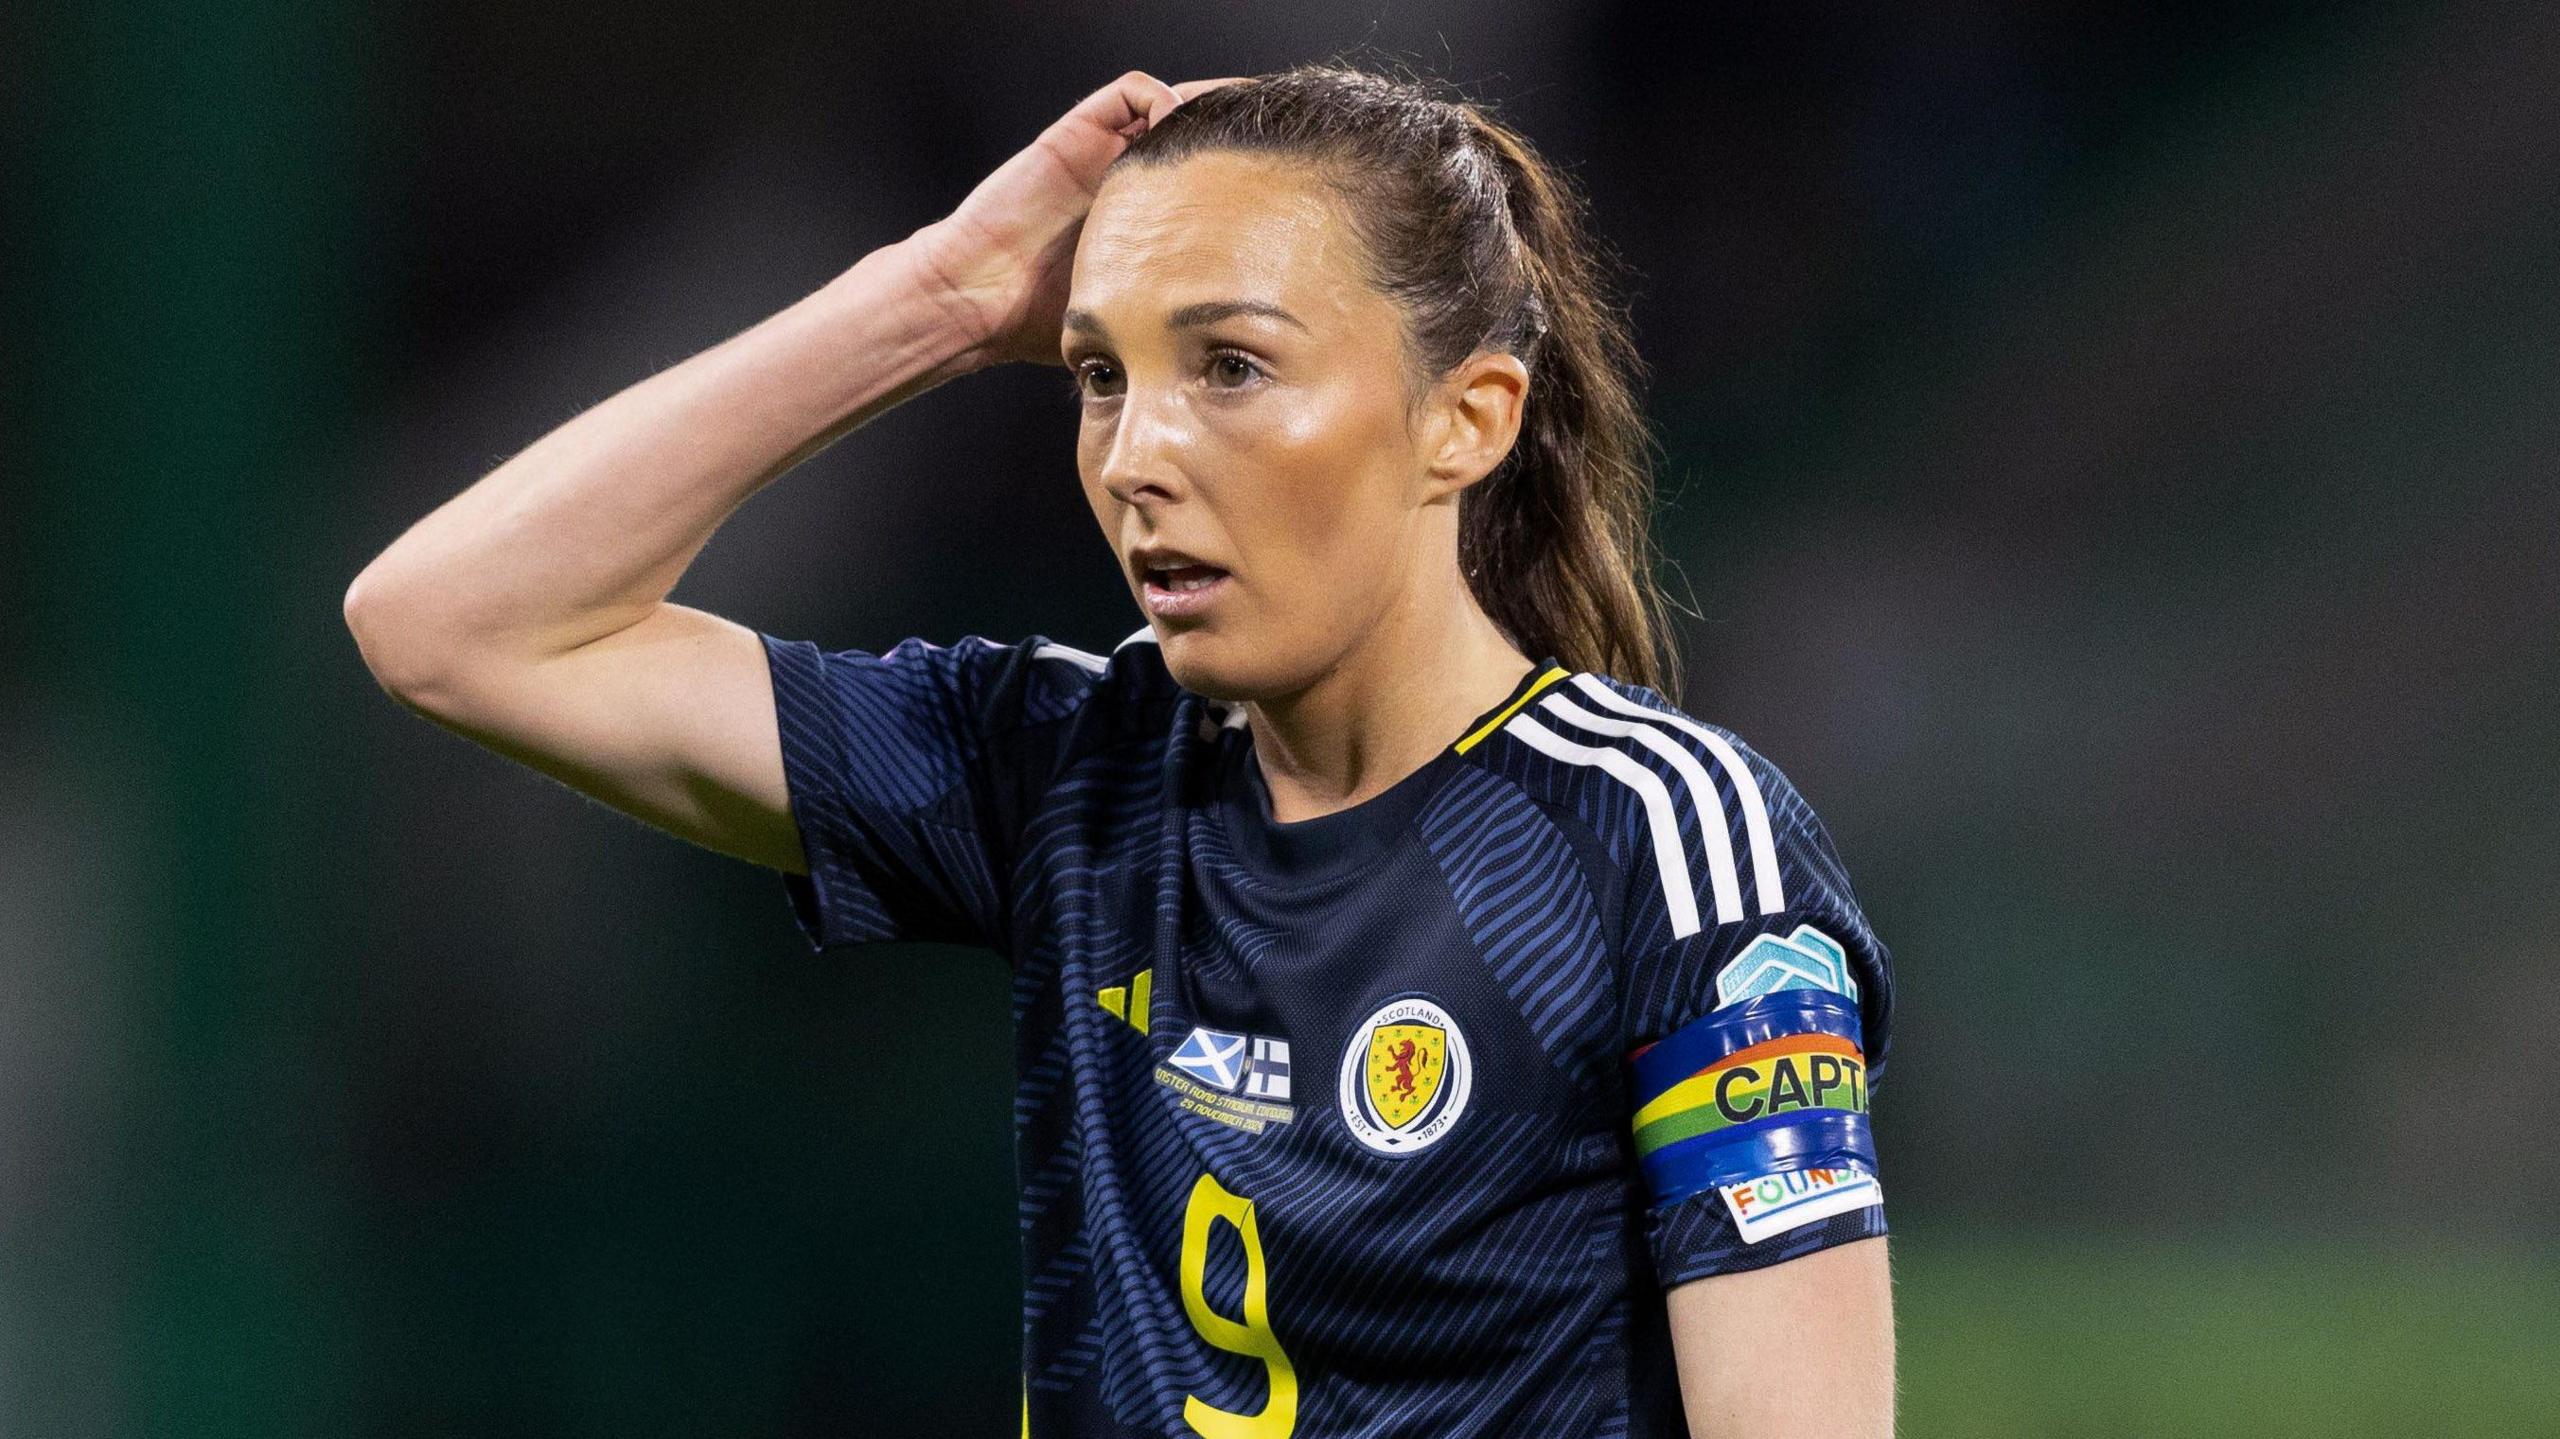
{"points": [[2110, 452]]}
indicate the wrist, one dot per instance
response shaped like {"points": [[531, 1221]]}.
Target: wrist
{"points": [[900, 303], [926, 256]]}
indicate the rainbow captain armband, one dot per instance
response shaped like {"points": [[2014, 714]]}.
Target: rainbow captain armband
{"points": [[1766, 1086]]}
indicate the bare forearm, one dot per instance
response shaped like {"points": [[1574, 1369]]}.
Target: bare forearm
{"points": [[588, 529], [1799, 1350]]}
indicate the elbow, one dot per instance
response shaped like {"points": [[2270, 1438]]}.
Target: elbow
{"points": [[398, 640]]}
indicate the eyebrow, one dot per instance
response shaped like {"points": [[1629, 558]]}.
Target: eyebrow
{"points": [[1193, 316]]}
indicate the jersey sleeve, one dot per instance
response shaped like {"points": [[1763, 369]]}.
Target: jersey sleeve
{"points": [[910, 774], [1757, 1021]]}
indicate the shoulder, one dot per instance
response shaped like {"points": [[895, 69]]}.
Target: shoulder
{"points": [[1703, 830], [1131, 677], [1098, 703], [1724, 880], [1037, 679], [971, 698]]}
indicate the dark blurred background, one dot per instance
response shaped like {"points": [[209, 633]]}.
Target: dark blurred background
{"points": [[2109, 450]]}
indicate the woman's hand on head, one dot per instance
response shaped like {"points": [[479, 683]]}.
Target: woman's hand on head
{"points": [[1003, 258]]}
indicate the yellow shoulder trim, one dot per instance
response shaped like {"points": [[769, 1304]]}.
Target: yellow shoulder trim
{"points": [[1495, 723]]}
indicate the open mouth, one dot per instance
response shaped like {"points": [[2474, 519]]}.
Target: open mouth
{"points": [[1181, 579], [1183, 589]]}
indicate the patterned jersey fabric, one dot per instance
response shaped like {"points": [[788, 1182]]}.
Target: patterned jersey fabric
{"points": [[1395, 1121]]}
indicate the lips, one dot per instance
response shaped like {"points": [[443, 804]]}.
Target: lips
{"points": [[1175, 585], [1172, 568]]}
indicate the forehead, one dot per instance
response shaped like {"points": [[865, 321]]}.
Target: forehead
{"points": [[1219, 226]]}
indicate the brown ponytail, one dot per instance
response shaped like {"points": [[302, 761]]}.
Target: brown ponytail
{"points": [[1484, 246]]}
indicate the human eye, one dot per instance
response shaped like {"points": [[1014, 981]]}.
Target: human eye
{"points": [[1087, 374], [1226, 363]]}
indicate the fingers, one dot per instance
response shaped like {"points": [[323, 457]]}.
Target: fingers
{"points": [[1189, 88], [1160, 102], [1128, 105]]}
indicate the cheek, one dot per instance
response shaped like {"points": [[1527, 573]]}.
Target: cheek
{"points": [[1328, 503]]}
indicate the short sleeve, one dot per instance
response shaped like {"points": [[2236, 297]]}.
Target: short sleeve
{"points": [[910, 774], [1753, 1044]]}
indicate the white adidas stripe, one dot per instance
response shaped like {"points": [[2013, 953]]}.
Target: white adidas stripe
{"points": [[1082, 659], [1678, 895], [1755, 809], [1226, 716], [1722, 877]]}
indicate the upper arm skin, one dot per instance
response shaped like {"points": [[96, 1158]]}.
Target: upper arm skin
{"points": [[1793, 1351], [670, 720]]}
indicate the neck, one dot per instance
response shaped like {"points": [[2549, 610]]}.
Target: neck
{"points": [[1391, 704]]}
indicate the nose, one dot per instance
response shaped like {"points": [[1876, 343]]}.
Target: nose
{"points": [[1147, 439]]}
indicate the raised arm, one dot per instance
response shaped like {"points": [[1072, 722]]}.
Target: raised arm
{"points": [[529, 613]]}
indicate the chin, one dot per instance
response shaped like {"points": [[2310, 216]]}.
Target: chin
{"points": [[1226, 668]]}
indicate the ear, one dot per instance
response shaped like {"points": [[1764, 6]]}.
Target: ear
{"points": [[1478, 407]]}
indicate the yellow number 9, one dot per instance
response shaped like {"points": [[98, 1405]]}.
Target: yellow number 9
{"points": [[1252, 1338]]}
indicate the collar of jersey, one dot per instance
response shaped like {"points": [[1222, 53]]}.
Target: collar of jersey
{"points": [[1347, 840]]}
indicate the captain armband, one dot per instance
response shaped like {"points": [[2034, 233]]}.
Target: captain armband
{"points": [[1764, 1101]]}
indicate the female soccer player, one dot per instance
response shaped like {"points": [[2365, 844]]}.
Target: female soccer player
{"points": [[1424, 1027]]}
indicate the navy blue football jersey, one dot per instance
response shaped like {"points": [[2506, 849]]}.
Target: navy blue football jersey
{"points": [[1395, 1121]]}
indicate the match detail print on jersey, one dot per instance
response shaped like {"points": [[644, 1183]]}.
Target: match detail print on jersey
{"points": [[1406, 1075], [1239, 1080], [1763, 1087]]}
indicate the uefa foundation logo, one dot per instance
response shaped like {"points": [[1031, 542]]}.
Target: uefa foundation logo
{"points": [[1405, 1076]]}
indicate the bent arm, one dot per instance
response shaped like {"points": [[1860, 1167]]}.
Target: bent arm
{"points": [[529, 613], [1799, 1350]]}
